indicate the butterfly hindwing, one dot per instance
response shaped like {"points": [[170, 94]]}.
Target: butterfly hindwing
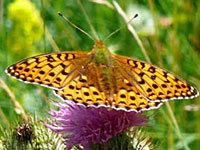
{"points": [[84, 91], [53, 70], [155, 83]]}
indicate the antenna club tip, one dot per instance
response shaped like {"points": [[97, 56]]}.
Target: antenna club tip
{"points": [[60, 14], [136, 15]]}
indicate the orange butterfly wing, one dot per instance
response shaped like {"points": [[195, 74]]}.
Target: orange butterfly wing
{"points": [[154, 83], [54, 70], [84, 90]]}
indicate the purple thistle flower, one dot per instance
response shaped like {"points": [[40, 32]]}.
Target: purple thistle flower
{"points": [[89, 125]]}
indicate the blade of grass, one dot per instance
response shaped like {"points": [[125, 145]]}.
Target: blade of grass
{"points": [[1, 15], [121, 12], [47, 33], [53, 43], [4, 118], [177, 127], [131, 29], [69, 33], [18, 108], [88, 20], [103, 2], [44, 29], [170, 131], [155, 37]]}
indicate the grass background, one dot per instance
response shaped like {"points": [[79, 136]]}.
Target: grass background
{"points": [[169, 31]]}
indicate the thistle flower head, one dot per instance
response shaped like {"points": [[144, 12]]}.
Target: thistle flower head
{"points": [[89, 125], [30, 134]]}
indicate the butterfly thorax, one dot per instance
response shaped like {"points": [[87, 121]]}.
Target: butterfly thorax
{"points": [[103, 62], [101, 54]]}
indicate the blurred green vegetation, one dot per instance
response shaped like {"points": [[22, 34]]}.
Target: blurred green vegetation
{"points": [[169, 31]]}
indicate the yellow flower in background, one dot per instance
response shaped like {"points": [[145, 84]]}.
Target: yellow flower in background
{"points": [[26, 27]]}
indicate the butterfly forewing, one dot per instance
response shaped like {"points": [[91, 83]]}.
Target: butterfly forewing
{"points": [[153, 82], [54, 70]]}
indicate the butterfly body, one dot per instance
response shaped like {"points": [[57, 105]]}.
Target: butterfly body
{"points": [[100, 78], [103, 64]]}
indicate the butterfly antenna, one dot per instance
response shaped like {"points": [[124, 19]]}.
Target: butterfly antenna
{"points": [[111, 34], [75, 26]]}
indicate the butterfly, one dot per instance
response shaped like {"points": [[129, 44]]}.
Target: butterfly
{"points": [[100, 78]]}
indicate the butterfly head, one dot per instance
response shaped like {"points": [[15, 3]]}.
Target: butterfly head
{"points": [[99, 45], [101, 53]]}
